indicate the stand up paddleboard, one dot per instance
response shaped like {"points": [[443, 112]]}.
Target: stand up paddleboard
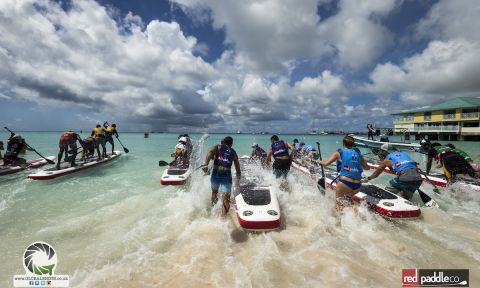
{"points": [[31, 164], [175, 176], [256, 204], [378, 199], [66, 169]]}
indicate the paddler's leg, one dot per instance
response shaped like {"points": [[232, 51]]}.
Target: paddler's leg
{"points": [[215, 184], [63, 147], [73, 148], [225, 189], [343, 195]]}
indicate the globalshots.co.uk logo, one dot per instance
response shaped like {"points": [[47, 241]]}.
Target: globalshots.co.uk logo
{"points": [[435, 278], [40, 262]]}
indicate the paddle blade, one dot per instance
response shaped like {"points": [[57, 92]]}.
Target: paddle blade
{"points": [[126, 150], [321, 184], [162, 163]]}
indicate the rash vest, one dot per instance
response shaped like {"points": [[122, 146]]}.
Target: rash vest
{"points": [[14, 147], [401, 161], [279, 149], [297, 146], [351, 165], [261, 152], [225, 156]]}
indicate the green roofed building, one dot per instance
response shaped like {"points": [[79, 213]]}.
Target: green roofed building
{"points": [[454, 119]]}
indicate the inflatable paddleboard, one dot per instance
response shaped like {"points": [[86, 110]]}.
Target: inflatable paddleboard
{"points": [[256, 204], [175, 176], [378, 199], [66, 169], [6, 170]]}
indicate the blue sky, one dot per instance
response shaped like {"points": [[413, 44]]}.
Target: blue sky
{"points": [[222, 66]]}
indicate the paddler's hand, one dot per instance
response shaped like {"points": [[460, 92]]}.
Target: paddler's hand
{"points": [[365, 180], [205, 168]]}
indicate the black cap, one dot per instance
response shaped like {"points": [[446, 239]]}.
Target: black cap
{"points": [[228, 141], [295, 140]]}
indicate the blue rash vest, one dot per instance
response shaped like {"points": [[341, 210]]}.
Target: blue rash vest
{"points": [[225, 156], [279, 149], [401, 161], [261, 151], [351, 166]]}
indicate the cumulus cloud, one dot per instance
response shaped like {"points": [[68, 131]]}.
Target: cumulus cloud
{"points": [[84, 57], [272, 35], [443, 70]]}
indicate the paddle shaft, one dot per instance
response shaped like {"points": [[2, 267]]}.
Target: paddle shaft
{"points": [[322, 183], [31, 148], [429, 181]]}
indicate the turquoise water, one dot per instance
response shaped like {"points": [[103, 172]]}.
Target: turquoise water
{"points": [[116, 226]]}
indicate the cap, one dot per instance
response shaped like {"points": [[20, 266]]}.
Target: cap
{"points": [[254, 145], [183, 139], [386, 147], [295, 140]]}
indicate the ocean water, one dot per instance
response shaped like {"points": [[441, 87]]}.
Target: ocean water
{"points": [[116, 226]]}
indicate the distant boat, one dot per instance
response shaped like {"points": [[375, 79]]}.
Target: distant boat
{"points": [[323, 133], [239, 132], [313, 132]]}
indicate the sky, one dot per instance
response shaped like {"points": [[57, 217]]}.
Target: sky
{"points": [[284, 66]]}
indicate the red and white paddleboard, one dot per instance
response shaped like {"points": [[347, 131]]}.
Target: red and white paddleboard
{"points": [[440, 179], [256, 204], [66, 169], [378, 199], [175, 176], [6, 170]]}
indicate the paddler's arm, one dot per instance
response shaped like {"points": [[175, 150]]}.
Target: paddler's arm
{"points": [[115, 132], [93, 133], [429, 164], [364, 163], [380, 169], [208, 158], [335, 156], [289, 146], [269, 157]]}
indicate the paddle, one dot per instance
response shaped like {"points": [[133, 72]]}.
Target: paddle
{"points": [[429, 202], [321, 181], [31, 148], [435, 189], [124, 149], [163, 163]]}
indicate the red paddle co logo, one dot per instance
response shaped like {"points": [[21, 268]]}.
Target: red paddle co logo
{"points": [[435, 278]]}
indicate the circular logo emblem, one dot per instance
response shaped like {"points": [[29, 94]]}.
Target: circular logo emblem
{"points": [[40, 259]]}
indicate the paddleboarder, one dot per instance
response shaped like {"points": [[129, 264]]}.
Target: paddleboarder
{"points": [[282, 160], [99, 133], [110, 130], [223, 157], [15, 145], [68, 140], [407, 178], [352, 165]]}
